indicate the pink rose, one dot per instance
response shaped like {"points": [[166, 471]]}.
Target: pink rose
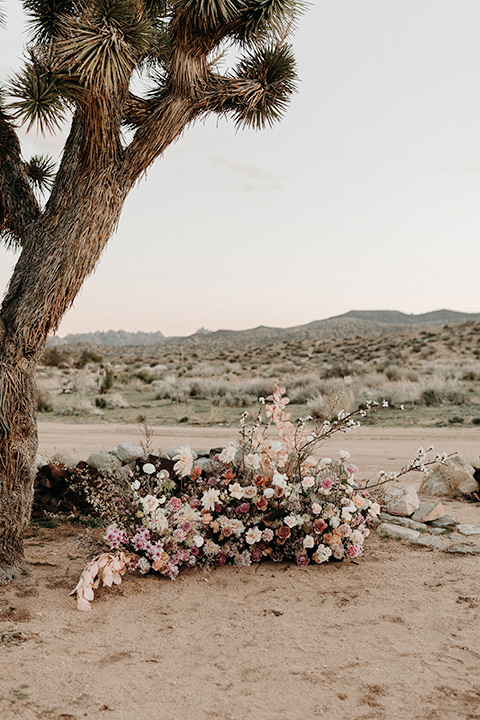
{"points": [[352, 551], [327, 484]]}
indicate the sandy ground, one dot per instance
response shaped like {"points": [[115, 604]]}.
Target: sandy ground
{"points": [[395, 636]]}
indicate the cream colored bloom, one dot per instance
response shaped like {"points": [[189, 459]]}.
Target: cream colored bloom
{"points": [[291, 521], [308, 541], [228, 454], [269, 493], [210, 498], [236, 491], [308, 481], [316, 508], [198, 540], [254, 535], [185, 458], [148, 468], [150, 503], [253, 461], [249, 492]]}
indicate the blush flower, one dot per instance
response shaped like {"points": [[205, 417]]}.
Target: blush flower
{"points": [[236, 491], [308, 481], [253, 536], [184, 457], [174, 504]]}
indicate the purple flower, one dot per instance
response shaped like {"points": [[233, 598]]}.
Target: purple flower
{"points": [[243, 508], [303, 560], [256, 555]]}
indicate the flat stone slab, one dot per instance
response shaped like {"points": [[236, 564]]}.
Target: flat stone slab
{"points": [[463, 549], [444, 521], [404, 521], [397, 532], [431, 542], [468, 529]]}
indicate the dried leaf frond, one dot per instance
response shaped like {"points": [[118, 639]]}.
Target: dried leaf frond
{"points": [[41, 172], [274, 69]]}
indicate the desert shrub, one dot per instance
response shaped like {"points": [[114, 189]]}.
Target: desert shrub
{"points": [[392, 372], [87, 356], [111, 401], [44, 400], [54, 357], [438, 391], [107, 381]]}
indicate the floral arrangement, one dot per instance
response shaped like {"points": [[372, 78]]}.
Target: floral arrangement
{"points": [[265, 497]]}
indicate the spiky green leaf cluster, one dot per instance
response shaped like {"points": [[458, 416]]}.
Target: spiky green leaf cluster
{"points": [[41, 172], [274, 69], [43, 93]]}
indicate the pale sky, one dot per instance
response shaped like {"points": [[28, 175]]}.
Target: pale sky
{"points": [[365, 196]]}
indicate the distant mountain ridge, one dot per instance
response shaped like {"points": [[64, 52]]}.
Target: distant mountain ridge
{"points": [[362, 320]]}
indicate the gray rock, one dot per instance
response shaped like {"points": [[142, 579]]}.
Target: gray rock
{"points": [[454, 477], [468, 529], [40, 461], [436, 531], [463, 549], [60, 458], [431, 542], [404, 521], [397, 532], [428, 511], [204, 463], [444, 522], [401, 500], [126, 452], [104, 460]]}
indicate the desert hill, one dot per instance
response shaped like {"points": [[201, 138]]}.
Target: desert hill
{"points": [[356, 322]]}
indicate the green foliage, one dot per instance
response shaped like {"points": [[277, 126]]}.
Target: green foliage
{"points": [[41, 172], [274, 69], [87, 356], [108, 381], [54, 357]]}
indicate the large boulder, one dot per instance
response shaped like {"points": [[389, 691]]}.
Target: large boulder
{"points": [[104, 460], [129, 451], [401, 500], [454, 477]]}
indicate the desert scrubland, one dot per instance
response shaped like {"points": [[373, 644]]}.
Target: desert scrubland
{"points": [[394, 634]]}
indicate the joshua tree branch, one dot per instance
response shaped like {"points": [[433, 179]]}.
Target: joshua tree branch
{"points": [[18, 206]]}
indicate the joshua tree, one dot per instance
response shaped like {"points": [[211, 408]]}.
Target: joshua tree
{"points": [[79, 67]]}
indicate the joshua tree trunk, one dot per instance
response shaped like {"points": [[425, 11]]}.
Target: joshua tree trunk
{"points": [[62, 251]]}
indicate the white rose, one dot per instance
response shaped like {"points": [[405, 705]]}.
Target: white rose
{"points": [[135, 485], [308, 481], [236, 491], [291, 521], [198, 540], [308, 541], [276, 446], [254, 535], [316, 508], [269, 493], [228, 454]]}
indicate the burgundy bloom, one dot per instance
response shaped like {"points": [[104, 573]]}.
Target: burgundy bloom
{"points": [[303, 560], [220, 559], [243, 508], [256, 555]]}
